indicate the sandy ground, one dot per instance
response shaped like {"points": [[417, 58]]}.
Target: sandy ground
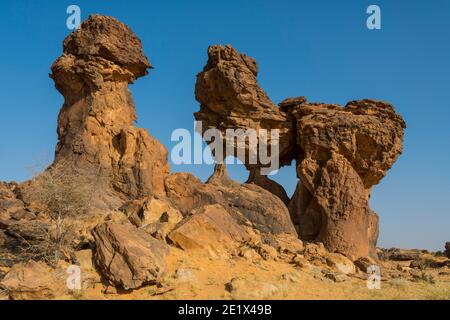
{"points": [[207, 278]]}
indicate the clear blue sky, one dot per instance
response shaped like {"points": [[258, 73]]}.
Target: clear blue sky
{"points": [[320, 49]]}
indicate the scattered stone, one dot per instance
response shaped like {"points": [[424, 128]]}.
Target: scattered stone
{"points": [[96, 125], [249, 254], [291, 277], [300, 261], [267, 252], [23, 214], [289, 243], [447, 249], [314, 250], [423, 277], [244, 289], [158, 217]]}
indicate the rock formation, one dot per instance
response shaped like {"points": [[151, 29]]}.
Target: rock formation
{"points": [[447, 249], [96, 123], [127, 256], [341, 152], [34, 281], [211, 230], [231, 98], [247, 203]]}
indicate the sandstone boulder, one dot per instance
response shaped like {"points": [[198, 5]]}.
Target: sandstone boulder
{"points": [[187, 192], [128, 257], [341, 152], [96, 123], [210, 229], [34, 281], [345, 151]]}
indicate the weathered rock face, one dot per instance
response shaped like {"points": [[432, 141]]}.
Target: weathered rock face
{"points": [[34, 281], [95, 124], [344, 152], [231, 98], [246, 203], [341, 152], [447, 249], [10, 206], [156, 216], [128, 257], [209, 229]]}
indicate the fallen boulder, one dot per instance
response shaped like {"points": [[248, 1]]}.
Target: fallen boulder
{"points": [[128, 257], [210, 229]]}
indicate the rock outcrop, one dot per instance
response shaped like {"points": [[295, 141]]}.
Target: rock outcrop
{"points": [[211, 230], [341, 152], [345, 151], [96, 123], [34, 281], [447, 249], [128, 257], [246, 203]]}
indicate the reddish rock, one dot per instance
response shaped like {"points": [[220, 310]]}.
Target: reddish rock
{"points": [[210, 229], [447, 249], [231, 98], [34, 281], [128, 257], [96, 123]]}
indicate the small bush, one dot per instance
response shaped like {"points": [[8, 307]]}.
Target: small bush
{"points": [[64, 195]]}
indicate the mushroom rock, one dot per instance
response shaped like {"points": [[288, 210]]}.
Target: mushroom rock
{"points": [[344, 152], [341, 152], [268, 184], [96, 123], [231, 98]]}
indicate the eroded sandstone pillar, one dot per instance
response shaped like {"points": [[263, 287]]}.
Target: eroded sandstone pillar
{"points": [[96, 123]]}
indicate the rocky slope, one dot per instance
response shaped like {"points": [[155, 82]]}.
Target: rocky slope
{"points": [[144, 233]]}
